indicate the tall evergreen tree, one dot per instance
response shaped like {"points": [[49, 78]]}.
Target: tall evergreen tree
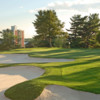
{"points": [[84, 28], [47, 25], [76, 31], [91, 28]]}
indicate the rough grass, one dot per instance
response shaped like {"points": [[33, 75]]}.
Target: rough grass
{"points": [[82, 74]]}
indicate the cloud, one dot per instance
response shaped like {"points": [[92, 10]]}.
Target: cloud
{"points": [[95, 10], [79, 5], [35, 10], [66, 9]]}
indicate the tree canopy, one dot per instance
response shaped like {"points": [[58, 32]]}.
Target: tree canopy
{"points": [[47, 25], [83, 29]]}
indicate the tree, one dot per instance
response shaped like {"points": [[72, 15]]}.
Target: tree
{"points": [[98, 37], [84, 28], [76, 31], [47, 25], [8, 39], [61, 40], [91, 28]]}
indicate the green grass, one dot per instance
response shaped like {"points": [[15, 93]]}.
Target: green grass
{"points": [[82, 74], [56, 52]]}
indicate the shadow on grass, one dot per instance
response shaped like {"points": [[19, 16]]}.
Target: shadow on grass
{"points": [[89, 80], [75, 63], [67, 53], [86, 80]]}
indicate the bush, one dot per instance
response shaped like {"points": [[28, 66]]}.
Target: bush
{"points": [[60, 42]]}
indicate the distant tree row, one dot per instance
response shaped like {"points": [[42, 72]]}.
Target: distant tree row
{"points": [[84, 31]]}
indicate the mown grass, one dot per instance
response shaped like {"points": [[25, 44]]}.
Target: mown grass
{"points": [[82, 74], [55, 52]]}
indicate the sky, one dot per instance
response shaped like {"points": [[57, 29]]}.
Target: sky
{"points": [[22, 12]]}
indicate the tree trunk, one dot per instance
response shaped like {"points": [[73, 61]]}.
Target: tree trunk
{"points": [[87, 43], [50, 42]]}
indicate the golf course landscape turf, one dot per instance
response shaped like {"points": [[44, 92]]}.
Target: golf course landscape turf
{"points": [[82, 74]]}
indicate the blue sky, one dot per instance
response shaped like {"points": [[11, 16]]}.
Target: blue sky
{"points": [[22, 12]]}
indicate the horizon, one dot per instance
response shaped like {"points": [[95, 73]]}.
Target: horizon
{"points": [[22, 12]]}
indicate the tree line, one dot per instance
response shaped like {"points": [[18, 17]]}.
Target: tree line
{"points": [[83, 33]]}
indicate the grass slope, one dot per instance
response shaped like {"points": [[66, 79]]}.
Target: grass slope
{"points": [[82, 74]]}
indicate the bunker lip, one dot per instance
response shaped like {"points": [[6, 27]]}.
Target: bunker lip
{"points": [[24, 58]]}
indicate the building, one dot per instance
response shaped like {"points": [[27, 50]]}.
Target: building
{"points": [[19, 36]]}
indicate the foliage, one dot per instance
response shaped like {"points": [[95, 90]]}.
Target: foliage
{"points": [[84, 29], [47, 25], [98, 37], [60, 42], [82, 32], [39, 42], [8, 40], [29, 43]]}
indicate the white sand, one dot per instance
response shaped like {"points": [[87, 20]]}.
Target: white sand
{"points": [[24, 58], [54, 92], [10, 76]]}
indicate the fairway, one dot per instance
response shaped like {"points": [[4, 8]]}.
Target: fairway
{"points": [[82, 74]]}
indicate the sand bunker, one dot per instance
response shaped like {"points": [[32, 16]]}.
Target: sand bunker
{"points": [[54, 92], [24, 58], [10, 76]]}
